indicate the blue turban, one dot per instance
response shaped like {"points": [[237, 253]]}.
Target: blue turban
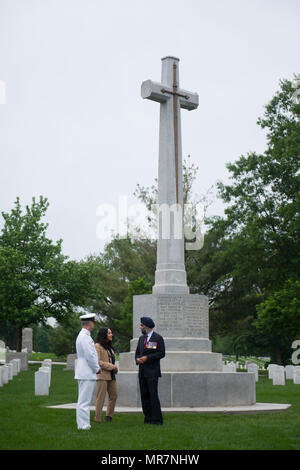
{"points": [[147, 321]]}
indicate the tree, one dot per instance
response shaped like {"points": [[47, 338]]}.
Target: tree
{"points": [[124, 324], [36, 280], [63, 338], [42, 338], [131, 258], [259, 237], [263, 217], [122, 262], [278, 318]]}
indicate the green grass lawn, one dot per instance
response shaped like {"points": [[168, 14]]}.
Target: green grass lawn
{"points": [[26, 423], [38, 356]]}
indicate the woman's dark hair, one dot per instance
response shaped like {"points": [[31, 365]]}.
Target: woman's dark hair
{"points": [[102, 338]]}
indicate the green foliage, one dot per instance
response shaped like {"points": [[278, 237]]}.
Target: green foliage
{"points": [[263, 218], [124, 324], [132, 259], [63, 338], [279, 314], [7, 332], [122, 262], [36, 280], [257, 244], [278, 318], [42, 337]]}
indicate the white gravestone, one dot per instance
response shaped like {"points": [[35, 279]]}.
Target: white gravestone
{"points": [[278, 375], [15, 366], [48, 371], [47, 363], [5, 374], [252, 367], [1, 377], [10, 371], [18, 364], [41, 382], [229, 367], [47, 360], [289, 372], [270, 368], [70, 361], [2, 351], [296, 377]]}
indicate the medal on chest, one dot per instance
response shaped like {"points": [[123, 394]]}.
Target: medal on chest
{"points": [[151, 345]]}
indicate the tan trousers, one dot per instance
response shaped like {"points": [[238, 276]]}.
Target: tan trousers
{"points": [[109, 386]]}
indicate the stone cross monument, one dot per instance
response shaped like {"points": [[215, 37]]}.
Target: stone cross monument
{"points": [[192, 373], [170, 275]]}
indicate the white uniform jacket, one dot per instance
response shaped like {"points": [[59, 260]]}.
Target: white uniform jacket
{"points": [[87, 359]]}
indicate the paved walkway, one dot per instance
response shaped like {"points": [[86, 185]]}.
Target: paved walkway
{"points": [[257, 408]]}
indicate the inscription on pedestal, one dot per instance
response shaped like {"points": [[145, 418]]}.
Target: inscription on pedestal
{"points": [[175, 316], [196, 317], [170, 310]]}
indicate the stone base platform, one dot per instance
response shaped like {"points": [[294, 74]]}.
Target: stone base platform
{"points": [[180, 344], [191, 389], [241, 409], [178, 361]]}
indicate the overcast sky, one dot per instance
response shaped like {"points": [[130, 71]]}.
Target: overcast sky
{"points": [[75, 128]]}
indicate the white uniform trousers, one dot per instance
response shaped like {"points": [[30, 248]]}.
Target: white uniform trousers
{"points": [[85, 393]]}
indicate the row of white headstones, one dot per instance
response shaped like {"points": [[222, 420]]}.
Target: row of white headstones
{"points": [[42, 378], [277, 373], [9, 371]]}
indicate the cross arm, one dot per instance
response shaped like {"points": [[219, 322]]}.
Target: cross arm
{"points": [[188, 100], [156, 91], [153, 91]]}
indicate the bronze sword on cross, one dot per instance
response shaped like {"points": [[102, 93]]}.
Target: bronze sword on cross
{"points": [[175, 112], [162, 92]]}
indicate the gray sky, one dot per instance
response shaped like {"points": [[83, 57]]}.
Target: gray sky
{"points": [[75, 128]]}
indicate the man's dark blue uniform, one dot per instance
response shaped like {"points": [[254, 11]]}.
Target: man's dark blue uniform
{"points": [[149, 372]]}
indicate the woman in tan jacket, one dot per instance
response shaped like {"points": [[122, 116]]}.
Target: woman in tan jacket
{"points": [[106, 379]]}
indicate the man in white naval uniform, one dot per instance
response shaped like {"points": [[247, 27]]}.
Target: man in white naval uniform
{"points": [[87, 366]]}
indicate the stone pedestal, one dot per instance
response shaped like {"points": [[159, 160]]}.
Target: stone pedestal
{"points": [[71, 358], [192, 389], [18, 355], [27, 339], [192, 375]]}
